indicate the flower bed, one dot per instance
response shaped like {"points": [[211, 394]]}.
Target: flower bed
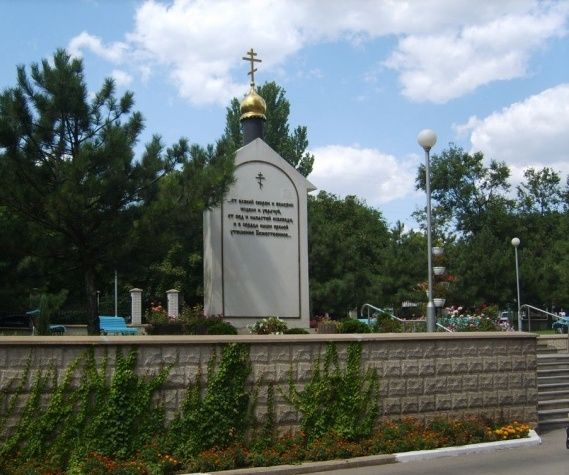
{"points": [[485, 318], [391, 437]]}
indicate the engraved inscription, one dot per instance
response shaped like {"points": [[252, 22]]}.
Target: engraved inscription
{"points": [[259, 218]]}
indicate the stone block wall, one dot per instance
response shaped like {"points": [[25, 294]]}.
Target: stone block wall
{"points": [[420, 375]]}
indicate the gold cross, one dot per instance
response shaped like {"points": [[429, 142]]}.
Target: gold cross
{"points": [[253, 60]]}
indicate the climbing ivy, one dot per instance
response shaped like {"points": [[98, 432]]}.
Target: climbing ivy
{"points": [[113, 417], [124, 415], [220, 415], [91, 416], [269, 424], [343, 401]]}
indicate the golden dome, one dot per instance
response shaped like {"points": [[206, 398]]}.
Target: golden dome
{"points": [[253, 106]]}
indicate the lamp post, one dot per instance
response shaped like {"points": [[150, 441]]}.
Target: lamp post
{"points": [[516, 242], [427, 139]]}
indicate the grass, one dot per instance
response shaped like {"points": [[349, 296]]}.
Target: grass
{"points": [[547, 331]]}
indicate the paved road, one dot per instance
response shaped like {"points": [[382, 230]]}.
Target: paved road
{"points": [[549, 458]]}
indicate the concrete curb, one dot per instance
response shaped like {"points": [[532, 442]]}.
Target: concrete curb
{"points": [[312, 467], [372, 460], [530, 441]]}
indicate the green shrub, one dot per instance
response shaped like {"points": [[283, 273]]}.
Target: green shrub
{"points": [[49, 304], [196, 323], [168, 328], [353, 326], [385, 324], [296, 331], [221, 328]]}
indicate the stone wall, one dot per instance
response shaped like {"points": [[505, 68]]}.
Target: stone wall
{"points": [[420, 375]]}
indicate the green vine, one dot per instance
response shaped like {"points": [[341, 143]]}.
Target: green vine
{"points": [[114, 418], [269, 425], [335, 400], [8, 403], [220, 415], [94, 420], [123, 416]]}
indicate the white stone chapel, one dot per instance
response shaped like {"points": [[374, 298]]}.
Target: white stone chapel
{"points": [[255, 243]]}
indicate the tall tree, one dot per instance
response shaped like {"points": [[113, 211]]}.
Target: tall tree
{"points": [[541, 229], [404, 265], [540, 192], [291, 146], [484, 268], [14, 265], [167, 240], [346, 243], [67, 165], [471, 206], [465, 190]]}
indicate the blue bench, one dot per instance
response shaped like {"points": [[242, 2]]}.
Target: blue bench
{"points": [[57, 329], [115, 326]]}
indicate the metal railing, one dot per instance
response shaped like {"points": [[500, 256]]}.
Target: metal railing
{"points": [[372, 311], [537, 310], [443, 328]]}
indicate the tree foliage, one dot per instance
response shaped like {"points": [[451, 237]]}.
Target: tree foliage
{"points": [[464, 189], [346, 242], [540, 193], [477, 218], [68, 167], [167, 239]]}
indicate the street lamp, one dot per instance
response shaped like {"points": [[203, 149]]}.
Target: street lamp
{"points": [[516, 242], [427, 139]]}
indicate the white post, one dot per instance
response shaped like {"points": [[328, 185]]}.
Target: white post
{"points": [[516, 242], [173, 302], [136, 306], [116, 295], [427, 139]]}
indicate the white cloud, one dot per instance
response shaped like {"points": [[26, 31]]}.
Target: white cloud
{"points": [[113, 52], [441, 67], [530, 133], [121, 78], [201, 42], [348, 170], [442, 53]]}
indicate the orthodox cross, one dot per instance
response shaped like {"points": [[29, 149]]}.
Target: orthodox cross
{"points": [[260, 177], [253, 60]]}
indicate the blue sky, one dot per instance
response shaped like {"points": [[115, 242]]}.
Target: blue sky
{"points": [[364, 76]]}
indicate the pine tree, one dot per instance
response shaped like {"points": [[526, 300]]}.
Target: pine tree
{"points": [[67, 165]]}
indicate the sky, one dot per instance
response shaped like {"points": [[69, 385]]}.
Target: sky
{"points": [[365, 77]]}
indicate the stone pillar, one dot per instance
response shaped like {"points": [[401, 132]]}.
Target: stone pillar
{"points": [[136, 306], [172, 295]]}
